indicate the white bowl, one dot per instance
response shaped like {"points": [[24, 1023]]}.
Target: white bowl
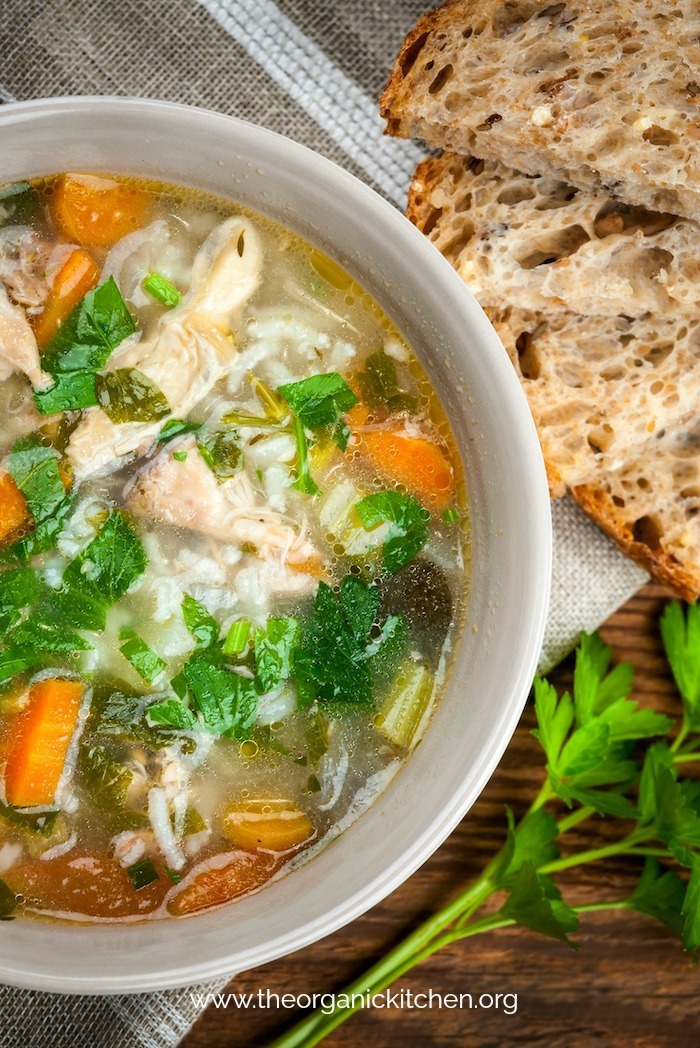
{"points": [[511, 537]]}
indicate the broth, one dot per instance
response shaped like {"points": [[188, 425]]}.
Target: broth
{"points": [[234, 550]]}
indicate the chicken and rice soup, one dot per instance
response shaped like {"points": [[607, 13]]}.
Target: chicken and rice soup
{"points": [[233, 549]]}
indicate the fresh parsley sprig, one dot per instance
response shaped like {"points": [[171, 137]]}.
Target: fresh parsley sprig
{"points": [[605, 757]]}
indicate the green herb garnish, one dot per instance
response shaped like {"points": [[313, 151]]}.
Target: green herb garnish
{"points": [[319, 400], [161, 290], [174, 428], [408, 533], [221, 450], [211, 699], [101, 574], [145, 661], [450, 515], [203, 626], [90, 333], [142, 873], [304, 482], [595, 767], [274, 647], [43, 823], [180, 456], [19, 588], [127, 395], [336, 657], [34, 469], [71, 391], [104, 778], [380, 385]]}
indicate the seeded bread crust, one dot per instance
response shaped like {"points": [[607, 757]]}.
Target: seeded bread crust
{"points": [[598, 93]]}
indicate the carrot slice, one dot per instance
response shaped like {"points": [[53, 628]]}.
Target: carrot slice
{"points": [[96, 212], [215, 885], [78, 275], [270, 825], [421, 466], [15, 517], [40, 742]]}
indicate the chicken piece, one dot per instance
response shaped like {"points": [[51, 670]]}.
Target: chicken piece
{"points": [[190, 351], [24, 261], [18, 348], [186, 494]]}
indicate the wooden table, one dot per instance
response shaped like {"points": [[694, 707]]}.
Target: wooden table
{"points": [[629, 985]]}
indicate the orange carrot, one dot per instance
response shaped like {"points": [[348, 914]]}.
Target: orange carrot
{"points": [[421, 466], [78, 275], [96, 212], [219, 884], [15, 517], [269, 825], [40, 741]]}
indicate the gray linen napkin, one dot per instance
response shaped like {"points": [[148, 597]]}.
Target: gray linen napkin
{"points": [[311, 69]]}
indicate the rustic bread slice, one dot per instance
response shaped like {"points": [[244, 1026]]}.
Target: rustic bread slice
{"points": [[597, 92], [651, 507], [600, 387], [535, 242]]}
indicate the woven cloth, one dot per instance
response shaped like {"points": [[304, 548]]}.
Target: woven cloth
{"points": [[313, 70]]}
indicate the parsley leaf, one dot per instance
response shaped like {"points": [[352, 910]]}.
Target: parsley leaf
{"points": [[220, 447], [660, 894], [319, 400], [225, 702], [19, 587], [532, 840], [203, 626], [91, 332], [144, 660], [408, 533], [304, 481], [380, 385], [127, 395], [335, 660], [175, 427], [71, 391], [34, 469], [274, 647], [105, 779], [535, 902], [681, 638], [100, 576], [691, 908]]}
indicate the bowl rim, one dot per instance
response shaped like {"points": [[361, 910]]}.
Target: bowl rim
{"points": [[539, 519]]}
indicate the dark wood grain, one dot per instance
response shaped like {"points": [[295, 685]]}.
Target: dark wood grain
{"points": [[629, 985]]}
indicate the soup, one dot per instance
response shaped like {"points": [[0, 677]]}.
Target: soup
{"points": [[233, 550]]}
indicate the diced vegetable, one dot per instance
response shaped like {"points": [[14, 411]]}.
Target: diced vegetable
{"points": [[145, 661], [211, 887], [237, 638], [450, 515], [405, 706], [161, 290], [96, 212], [269, 825], [40, 741], [90, 333], [127, 395], [408, 533], [78, 275], [142, 873], [415, 462], [15, 517]]}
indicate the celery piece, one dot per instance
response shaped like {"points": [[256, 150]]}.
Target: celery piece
{"points": [[403, 710], [237, 638], [161, 290]]}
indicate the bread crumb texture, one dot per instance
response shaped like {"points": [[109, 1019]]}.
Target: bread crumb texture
{"points": [[596, 92]]}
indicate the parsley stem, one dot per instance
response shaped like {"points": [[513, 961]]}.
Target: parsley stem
{"points": [[685, 758], [623, 847], [574, 818], [681, 736]]}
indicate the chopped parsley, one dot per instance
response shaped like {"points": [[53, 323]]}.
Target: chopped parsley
{"points": [[142, 873], [71, 391], [175, 427], [138, 654], [91, 332], [220, 447], [127, 395], [380, 385], [203, 626], [34, 467], [319, 400], [408, 533], [274, 647]]}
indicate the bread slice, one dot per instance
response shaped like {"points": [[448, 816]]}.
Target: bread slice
{"points": [[599, 93], [614, 397], [535, 242]]}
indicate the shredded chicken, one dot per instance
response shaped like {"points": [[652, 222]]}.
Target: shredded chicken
{"points": [[24, 257], [191, 349], [186, 494], [18, 348]]}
